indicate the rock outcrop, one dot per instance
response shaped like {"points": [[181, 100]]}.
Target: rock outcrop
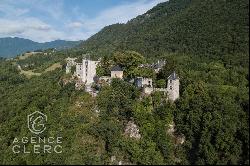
{"points": [[132, 130]]}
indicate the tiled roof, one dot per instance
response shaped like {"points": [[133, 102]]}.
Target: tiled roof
{"points": [[173, 76], [116, 68]]}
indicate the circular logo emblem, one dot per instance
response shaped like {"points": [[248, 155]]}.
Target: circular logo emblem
{"points": [[36, 122]]}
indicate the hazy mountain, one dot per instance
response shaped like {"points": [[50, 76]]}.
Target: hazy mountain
{"points": [[10, 47]]}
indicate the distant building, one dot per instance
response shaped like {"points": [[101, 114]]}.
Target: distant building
{"points": [[158, 66], [141, 82], [155, 66], [70, 62], [173, 87], [117, 72], [86, 71]]}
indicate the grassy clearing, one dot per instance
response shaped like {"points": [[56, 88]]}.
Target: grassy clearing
{"points": [[53, 67], [30, 73], [26, 55]]}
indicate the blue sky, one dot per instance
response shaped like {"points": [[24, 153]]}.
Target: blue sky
{"points": [[47, 20]]}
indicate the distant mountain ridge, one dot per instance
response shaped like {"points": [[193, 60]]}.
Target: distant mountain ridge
{"points": [[10, 47]]}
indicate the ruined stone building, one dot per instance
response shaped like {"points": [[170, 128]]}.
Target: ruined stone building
{"points": [[117, 72], [86, 71], [141, 82], [70, 63], [173, 87], [158, 66]]}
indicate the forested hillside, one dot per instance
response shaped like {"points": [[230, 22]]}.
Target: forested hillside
{"points": [[212, 113], [204, 42], [186, 26]]}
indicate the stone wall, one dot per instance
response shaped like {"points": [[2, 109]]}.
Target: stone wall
{"points": [[144, 82], [70, 63], [117, 74]]}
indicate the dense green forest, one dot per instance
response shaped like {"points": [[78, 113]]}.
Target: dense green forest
{"points": [[212, 113], [208, 28], [205, 42]]}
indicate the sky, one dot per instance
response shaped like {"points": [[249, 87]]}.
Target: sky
{"points": [[47, 20]]}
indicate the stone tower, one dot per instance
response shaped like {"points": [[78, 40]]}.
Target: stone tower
{"points": [[89, 70], [86, 70], [173, 87]]}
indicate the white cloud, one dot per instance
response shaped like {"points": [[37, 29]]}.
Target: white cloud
{"points": [[52, 8], [125, 12], [30, 28], [44, 36], [20, 26], [75, 25], [17, 19], [118, 14], [10, 11], [56, 21]]}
